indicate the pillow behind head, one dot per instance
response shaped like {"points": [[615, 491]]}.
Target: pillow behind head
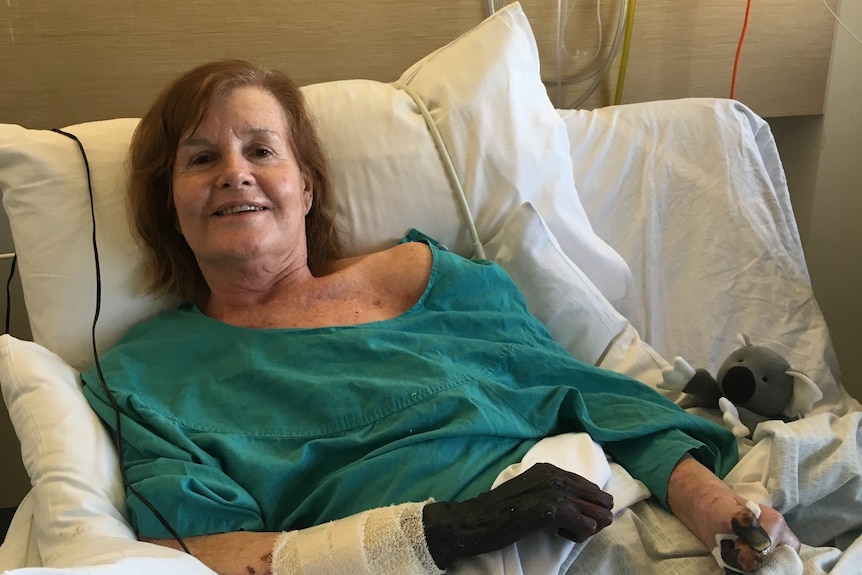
{"points": [[507, 143], [44, 182]]}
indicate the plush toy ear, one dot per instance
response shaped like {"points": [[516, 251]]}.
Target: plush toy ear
{"points": [[805, 394]]}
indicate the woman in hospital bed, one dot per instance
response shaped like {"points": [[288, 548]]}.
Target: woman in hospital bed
{"points": [[375, 397]]}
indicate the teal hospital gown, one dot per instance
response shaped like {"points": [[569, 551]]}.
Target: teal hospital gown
{"points": [[227, 428]]}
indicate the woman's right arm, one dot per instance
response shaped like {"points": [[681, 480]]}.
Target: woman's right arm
{"points": [[416, 538], [237, 553]]}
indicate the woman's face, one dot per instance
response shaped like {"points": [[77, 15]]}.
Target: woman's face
{"points": [[237, 189]]}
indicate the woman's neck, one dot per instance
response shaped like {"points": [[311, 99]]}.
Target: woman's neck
{"points": [[357, 290], [244, 291]]}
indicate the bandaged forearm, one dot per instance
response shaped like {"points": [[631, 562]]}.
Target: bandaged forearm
{"points": [[384, 541]]}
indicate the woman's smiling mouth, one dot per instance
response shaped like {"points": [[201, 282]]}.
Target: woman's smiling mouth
{"points": [[239, 209]]}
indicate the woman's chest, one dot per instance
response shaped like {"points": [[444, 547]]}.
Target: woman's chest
{"points": [[377, 288]]}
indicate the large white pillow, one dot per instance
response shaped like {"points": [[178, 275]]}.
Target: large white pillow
{"points": [[45, 193], [79, 503], [484, 91]]}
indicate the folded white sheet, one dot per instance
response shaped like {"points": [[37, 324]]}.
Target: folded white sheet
{"points": [[692, 193]]}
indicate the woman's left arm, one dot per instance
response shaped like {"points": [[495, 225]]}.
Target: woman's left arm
{"points": [[707, 506]]}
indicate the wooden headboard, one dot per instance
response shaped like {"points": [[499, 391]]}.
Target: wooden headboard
{"points": [[69, 62]]}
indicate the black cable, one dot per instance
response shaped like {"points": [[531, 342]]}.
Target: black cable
{"points": [[118, 436], [9, 294]]}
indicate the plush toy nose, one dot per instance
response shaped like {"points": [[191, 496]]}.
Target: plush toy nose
{"points": [[738, 384]]}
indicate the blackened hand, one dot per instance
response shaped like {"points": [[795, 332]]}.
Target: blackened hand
{"points": [[757, 539], [543, 496]]}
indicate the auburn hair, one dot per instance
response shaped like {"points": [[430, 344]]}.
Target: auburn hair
{"points": [[170, 264]]}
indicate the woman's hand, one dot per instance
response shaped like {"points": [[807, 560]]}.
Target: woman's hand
{"points": [[758, 537], [543, 496]]}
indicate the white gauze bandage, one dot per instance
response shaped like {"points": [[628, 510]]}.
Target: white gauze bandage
{"points": [[384, 541]]}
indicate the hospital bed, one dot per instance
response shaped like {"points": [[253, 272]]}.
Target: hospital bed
{"points": [[637, 233]]}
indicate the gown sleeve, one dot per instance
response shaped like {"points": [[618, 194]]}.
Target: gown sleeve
{"points": [[186, 486]]}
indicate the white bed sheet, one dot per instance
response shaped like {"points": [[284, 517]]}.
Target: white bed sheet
{"points": [[692, 193], [707, 229]]}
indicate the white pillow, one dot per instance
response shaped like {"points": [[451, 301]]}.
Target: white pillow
{"points": [[79, 503], [507, 142], [67, 453], [578, 316], [44, 185], [557, 292]]}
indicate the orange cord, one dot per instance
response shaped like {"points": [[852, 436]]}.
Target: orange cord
{"points": [[739, 50]]}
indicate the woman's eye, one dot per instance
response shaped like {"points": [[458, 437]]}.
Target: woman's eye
{"points": [[201, 159], [263, 152]]}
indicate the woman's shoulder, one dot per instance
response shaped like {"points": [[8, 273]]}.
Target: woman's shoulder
{"points": [[407, 257], [170, 321], [419, 264], [403, 269], [403, 250]]}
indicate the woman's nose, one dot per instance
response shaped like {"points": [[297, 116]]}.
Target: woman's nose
{"points": [[235, 172]]}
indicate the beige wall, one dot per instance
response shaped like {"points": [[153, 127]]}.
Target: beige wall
{"points": [[834, 242], [69, 62], [823, 160], [799, 143]]}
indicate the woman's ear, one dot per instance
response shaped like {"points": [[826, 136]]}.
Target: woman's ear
{"points": [[172, 210], [307, 195], [172, 213]]}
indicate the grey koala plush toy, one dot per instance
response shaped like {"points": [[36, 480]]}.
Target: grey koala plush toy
{"points": [[753, 384]]}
